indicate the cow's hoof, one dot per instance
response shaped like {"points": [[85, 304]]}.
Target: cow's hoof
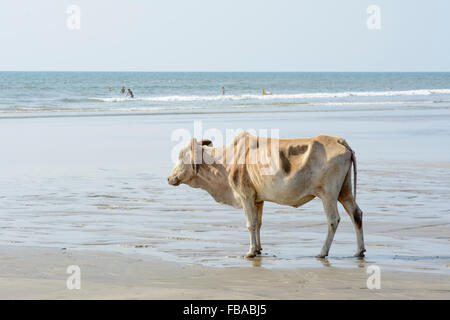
{"points": [[360, 254], [250, 255]]}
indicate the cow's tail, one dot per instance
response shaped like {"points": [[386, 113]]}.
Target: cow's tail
{"points": [[354, 173], [345, 144]]}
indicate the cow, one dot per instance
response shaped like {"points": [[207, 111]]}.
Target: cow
{"points": [[302, 169]]}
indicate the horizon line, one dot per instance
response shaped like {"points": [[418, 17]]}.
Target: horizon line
{"points": [[217, 71]]}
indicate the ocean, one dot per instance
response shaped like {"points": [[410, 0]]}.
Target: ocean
{"points": [[87, 93]]}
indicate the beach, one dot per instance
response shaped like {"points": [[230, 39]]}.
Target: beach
{"points": [[92, 191], [38, 273], [88, 187]]}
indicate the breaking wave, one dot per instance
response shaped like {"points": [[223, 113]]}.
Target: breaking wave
{"points": [[292, 96]]}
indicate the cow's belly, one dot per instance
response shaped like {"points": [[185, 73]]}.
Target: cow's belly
{"points": [[286, 195], [296, 202]]}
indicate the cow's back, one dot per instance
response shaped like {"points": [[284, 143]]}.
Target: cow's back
{"points": [[305, 164]]}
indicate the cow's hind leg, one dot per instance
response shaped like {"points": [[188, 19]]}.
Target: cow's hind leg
{"points": [[259, 209], [347, 200], [331, 211]]}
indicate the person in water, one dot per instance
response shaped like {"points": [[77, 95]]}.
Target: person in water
{"points": [[122, 91], [130, 93], [223, 91]]}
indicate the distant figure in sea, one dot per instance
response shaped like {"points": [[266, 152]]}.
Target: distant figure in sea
{"points": [[109, 89], [130, 93], [223, 91], [122, 91], [264, 92]]}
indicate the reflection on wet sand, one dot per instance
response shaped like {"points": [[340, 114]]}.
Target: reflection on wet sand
{"points": [[153, 219]]}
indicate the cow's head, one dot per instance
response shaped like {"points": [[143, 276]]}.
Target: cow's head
{"points": [[189, 158]]}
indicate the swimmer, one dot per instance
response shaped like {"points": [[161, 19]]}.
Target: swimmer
{"points": [[122, 91], [130, 93]]}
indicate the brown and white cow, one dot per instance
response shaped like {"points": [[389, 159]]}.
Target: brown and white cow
{"points": [[302, 169]]}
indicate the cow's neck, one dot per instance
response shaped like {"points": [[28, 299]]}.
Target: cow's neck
{"points": [[214, 179]]}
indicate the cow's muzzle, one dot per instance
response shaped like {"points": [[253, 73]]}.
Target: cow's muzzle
{"points": [[174, 181]]}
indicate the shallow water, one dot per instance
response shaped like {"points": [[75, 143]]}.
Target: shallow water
{"points": [[406, 225], [101, 183]]}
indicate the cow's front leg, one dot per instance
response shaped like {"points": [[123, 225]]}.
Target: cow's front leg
{"points": [[250, 211], [259, 209]]}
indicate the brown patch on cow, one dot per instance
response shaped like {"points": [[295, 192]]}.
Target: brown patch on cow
{"points": [[357, 216], [285, 164], [297, 150], [235, 176]]}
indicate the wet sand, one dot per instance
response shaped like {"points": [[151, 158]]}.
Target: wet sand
{"points": [[37, 273], [94, 191]]}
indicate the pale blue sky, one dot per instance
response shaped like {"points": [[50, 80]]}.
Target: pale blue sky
{"points": [[228, 35]]}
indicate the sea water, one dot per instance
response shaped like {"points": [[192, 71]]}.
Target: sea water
{"points": [[50, 93]]}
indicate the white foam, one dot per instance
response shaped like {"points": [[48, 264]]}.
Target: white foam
{"points": [[293, 96]]}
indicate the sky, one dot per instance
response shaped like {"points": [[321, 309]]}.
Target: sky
{"points": [[227, 35]]}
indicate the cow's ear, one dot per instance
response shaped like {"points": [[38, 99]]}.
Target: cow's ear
{"points": [[206, 142]]}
